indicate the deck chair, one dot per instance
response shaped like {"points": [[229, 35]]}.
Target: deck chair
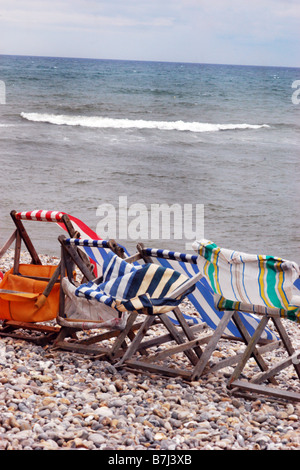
{"points": [[96, 254], [29, 293], [195, 330], [202, 298], [115, 300], [264, 286], [80, 315]]}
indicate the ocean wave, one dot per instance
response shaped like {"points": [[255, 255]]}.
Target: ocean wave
{"points": [[104, 122]]}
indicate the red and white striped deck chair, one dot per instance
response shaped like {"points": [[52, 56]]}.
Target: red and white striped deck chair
{"points": [[29, 293], [35, 311]]}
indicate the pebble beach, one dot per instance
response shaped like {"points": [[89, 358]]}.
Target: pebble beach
{"points": [[56, 400]]}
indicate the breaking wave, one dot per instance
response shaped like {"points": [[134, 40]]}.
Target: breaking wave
{"points": [[104, 122]]}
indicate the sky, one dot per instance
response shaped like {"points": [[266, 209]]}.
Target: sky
{"points": [[244, 32]]}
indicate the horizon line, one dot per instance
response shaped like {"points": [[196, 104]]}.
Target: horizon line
{"points": [[147, 60]]}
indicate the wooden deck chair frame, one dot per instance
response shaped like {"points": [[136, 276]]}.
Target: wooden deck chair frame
{"points": [[122, 339], [203, 347], [255, 385], [183, 335], [38, 333], [259, 384], [93, 345]]}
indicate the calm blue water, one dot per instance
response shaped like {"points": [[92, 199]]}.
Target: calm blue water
{"points": [[76, 134]]}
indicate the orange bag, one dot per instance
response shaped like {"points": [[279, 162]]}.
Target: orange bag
{"points": [[19, 303]]}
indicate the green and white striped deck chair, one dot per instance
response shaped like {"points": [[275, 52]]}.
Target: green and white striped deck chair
{"points": [[195, 331], [264, 286]]}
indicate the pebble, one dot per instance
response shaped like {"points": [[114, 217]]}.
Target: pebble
{"points": [[54, 400]]}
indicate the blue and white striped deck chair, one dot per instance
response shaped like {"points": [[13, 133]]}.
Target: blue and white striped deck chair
{"points": [[113, 329], [126, 288], [149, 288], [98, 251], [261, 284]]}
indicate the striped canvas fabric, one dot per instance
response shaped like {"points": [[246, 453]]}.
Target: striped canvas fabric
{"points": [[97, 249], [96, 256], [249, 282], [203, 296], [126, 287], [40, 215]]}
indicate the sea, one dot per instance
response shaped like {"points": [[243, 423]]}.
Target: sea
{"points": [[154, 152]]}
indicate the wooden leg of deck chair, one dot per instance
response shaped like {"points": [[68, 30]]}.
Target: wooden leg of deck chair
{"points": [[247, 338], [292, 359], [287, 342], [76, 258], [25, 237], [46, 334], [8, 243], [202, 362], [115, 350], [249, 350], [89, 345], [137, 340], [17, 253], [257, 353], [177, 337], [255, 389], [65, 332], [186, 329], [268, 374], [235, 359]]}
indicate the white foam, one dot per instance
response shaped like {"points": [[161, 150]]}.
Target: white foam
{"points": [[104, 122]]}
